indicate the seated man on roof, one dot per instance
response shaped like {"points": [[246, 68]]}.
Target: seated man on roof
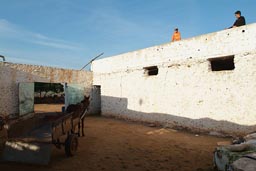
{"points": [[176, 35], [240, 21]]}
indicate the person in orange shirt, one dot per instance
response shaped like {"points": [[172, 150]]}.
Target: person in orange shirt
{"points": [[176, 35]]}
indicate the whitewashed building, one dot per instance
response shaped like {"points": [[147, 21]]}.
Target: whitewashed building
{"points": [[205, 83]]}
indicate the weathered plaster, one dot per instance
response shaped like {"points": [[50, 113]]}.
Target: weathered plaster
{"points": [[13, 74], [185, 93]]}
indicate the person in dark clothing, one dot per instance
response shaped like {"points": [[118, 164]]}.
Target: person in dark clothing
{"points": [[240, 21]]}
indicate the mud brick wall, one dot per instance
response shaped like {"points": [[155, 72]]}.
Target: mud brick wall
{"points": [[13, 74]]}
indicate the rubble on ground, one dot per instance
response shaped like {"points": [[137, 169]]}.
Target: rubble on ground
{"points": [[238, 155]]}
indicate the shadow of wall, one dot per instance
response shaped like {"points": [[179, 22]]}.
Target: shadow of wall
{"points": [[117, 107]]}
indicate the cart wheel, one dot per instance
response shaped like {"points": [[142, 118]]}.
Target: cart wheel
{"points": [[71, 145]]}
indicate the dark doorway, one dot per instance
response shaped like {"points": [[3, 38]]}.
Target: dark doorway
{"points": [[96, 100]]}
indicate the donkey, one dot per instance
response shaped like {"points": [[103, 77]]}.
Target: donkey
{"points": [[79, 111]]}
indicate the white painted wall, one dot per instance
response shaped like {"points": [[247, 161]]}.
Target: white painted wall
{"points": [[185, 93]]}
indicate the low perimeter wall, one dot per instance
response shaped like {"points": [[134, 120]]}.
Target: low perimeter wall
{"points": [[13, 74]]}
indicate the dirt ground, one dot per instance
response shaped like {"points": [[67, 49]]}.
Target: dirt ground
{"points": [[114, 145], [41, 108]]}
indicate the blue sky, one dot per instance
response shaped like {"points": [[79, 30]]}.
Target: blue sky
{"points": [[68, 33]]}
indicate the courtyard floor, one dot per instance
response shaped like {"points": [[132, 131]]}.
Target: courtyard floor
{"points": [[115, 145]]}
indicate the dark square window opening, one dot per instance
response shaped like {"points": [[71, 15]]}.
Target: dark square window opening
{"points": [[151, 71], [223, 63]]}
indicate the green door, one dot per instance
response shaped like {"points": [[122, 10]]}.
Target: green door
{"points": [[26, 98], [74, 93]]}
